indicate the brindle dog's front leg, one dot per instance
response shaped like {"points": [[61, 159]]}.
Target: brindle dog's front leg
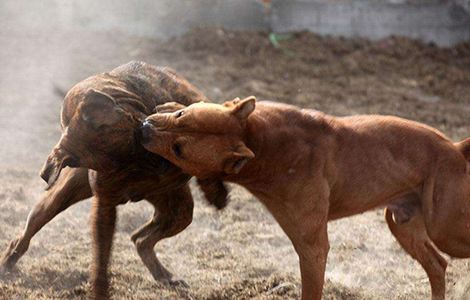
{"points": [[104, 218], [214, 191], [71, 187], [103, 223], [173, 213]]}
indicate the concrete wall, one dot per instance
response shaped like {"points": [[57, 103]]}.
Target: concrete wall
{"points": [[445, 23]]}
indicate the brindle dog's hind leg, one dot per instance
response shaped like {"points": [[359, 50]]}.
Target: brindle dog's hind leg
{"points": [[405, 220], [173, 213], [71, 187]]}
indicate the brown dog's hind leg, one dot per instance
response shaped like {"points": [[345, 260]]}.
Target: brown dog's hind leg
{"points": [[446, 210], [71, 187], [414, 239], [173, 213]]}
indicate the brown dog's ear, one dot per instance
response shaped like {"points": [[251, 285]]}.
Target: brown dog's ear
{"points": [[243, 108], [237, 159], [169, 107], [100, 109]]}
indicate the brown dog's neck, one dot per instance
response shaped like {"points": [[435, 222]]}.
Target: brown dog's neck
{"points": [[281, 137]]}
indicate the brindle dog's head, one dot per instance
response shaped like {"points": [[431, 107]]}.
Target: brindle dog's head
{"points": [[203, 139], [97, 134]]}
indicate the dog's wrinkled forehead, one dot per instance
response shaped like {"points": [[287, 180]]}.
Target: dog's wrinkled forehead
{"points": [[204, 118], [198, 118], [210, 117]]}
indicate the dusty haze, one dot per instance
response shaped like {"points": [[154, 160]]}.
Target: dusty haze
{"points": [[241, 252]]}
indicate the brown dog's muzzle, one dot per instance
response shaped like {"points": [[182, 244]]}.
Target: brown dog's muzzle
{"points": [[56, 161]]}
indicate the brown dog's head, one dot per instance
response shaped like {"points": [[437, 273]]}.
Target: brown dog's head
{"points": [[97, 134], [203, 139]]}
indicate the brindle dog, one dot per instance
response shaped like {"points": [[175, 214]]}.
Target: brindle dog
{"points": [[99, 154]]}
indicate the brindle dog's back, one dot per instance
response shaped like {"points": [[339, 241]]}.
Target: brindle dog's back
{"points": [[138, 85]]}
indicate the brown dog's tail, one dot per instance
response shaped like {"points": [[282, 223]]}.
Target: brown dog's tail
{"points": [[464, 148]]}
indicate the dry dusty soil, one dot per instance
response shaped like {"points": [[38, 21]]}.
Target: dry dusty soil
{"points": [[239, 253]]}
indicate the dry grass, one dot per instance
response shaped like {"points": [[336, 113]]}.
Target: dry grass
{"points": [[239, 253]]}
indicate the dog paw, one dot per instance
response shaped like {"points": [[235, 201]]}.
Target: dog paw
{"points": [[7, 271], [7, 264], [177, 283]]}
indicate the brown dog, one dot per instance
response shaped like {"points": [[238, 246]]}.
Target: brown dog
{"points": [[100, 142], [308, 168]]}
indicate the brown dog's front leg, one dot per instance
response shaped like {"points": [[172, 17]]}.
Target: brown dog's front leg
{"points": [[103, 222], [305, 222], [313, 252], [309, 235]]}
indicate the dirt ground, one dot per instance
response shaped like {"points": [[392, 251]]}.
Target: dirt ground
{"points": [[239, 253]]}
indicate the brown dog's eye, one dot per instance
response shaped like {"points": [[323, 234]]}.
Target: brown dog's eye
{"points": [[179, 113], [177, 150]]}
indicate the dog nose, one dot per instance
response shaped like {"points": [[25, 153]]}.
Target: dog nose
{"points": [[145, 132]]}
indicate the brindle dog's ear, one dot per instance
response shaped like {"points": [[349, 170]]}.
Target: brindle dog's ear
{"points": [[215, 192], [242, 108], [100, 109], [56, 161], [169, 107], [237, 159]]}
